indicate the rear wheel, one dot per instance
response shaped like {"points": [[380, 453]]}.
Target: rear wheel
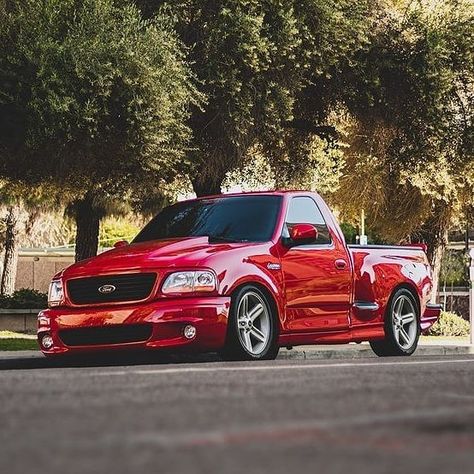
{"points": [[252, 331], [402, 326]]}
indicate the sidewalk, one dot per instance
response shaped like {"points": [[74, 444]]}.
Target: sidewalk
{"points": [[429, 346]]}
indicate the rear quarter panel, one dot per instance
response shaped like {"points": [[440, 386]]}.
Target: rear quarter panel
{"points": [[378, 271]]}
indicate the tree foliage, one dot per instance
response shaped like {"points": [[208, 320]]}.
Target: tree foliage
{"points": [[256, 63], [92, 89], [410, 156], [92, 97], [20, 211], [369, 102], [454, 269], [244, 56]]}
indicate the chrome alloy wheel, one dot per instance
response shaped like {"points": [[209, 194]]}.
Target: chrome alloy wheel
{"points": [[404, 322], [253, 321]]}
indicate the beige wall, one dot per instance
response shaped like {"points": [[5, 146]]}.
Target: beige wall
{"points": [[36, 271]]}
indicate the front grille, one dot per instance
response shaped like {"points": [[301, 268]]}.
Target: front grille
{"points": [[103, 335], [128, 287]]}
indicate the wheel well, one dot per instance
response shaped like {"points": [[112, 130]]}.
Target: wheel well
{"points": [[267, 293], [413, 292]]}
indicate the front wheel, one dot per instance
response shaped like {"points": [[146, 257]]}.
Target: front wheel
{"points": [[402, 326], [252, 332]]}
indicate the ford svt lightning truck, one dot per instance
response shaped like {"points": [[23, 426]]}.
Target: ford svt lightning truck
{"points": [[243, 275]]}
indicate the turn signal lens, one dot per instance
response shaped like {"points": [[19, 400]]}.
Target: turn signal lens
{"points": [[55, 294], [42, 319], [189, 282]]}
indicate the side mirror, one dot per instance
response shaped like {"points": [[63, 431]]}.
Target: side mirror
{"points": [[120, 243], [303, 233]]}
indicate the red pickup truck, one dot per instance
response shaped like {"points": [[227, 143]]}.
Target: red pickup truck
{"points": [[242, 274]]}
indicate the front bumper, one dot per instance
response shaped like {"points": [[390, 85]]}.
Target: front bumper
{"points": [[167, 319], [430, 316]]}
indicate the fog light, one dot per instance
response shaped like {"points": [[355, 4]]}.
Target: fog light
{"points": [[47, 341], [189, 331]]}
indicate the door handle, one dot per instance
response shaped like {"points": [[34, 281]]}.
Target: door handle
{"points": [[340, 264]]}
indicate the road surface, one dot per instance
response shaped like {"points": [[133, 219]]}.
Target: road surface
{"points": [[176, 416]]}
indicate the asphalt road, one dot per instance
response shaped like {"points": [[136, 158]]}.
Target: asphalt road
{"points": [[379, 416]]}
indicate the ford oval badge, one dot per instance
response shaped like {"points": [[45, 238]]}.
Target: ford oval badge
{"points": [[106, 289]]}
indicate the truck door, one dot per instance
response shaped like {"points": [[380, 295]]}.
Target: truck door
{"points": [[317, 275]]}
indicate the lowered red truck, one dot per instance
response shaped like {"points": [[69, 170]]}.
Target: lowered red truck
{"points": [[242, 274]]}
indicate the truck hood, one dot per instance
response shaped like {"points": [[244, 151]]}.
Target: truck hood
{"points": [[182, 252]]}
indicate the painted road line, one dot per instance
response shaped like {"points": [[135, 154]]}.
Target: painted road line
{"points": [[292, 367]]}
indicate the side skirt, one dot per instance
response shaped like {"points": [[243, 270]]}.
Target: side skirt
{"points": [[356, 334], [366, 329]]}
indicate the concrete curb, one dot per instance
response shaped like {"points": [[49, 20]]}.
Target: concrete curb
{"points": [[364, 351], [21, 355]]}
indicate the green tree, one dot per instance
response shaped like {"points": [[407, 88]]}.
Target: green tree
{"points": [[93, 98], [244, 55], [335, 35], [22, 208], [253, 60], [410, 158]]}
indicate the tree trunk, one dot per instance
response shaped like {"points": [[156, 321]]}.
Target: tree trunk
{"points": [[10, 261], [207, 185], [436, 259], [434, 234], [444, 297], [87, 217]]}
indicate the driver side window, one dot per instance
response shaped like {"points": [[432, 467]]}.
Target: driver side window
{"points": [[303, 210]]}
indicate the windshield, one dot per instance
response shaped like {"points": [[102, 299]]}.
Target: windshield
{"points": [[222, 219]]}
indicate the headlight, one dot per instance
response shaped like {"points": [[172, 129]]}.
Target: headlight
{"points": [[55, 294], [189, 282]]}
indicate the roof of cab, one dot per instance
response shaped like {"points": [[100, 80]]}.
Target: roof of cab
{"points": [[253, 193]]}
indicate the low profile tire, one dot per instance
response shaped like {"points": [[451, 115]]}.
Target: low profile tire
{"points": [[252, 331], [402, 326]]}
